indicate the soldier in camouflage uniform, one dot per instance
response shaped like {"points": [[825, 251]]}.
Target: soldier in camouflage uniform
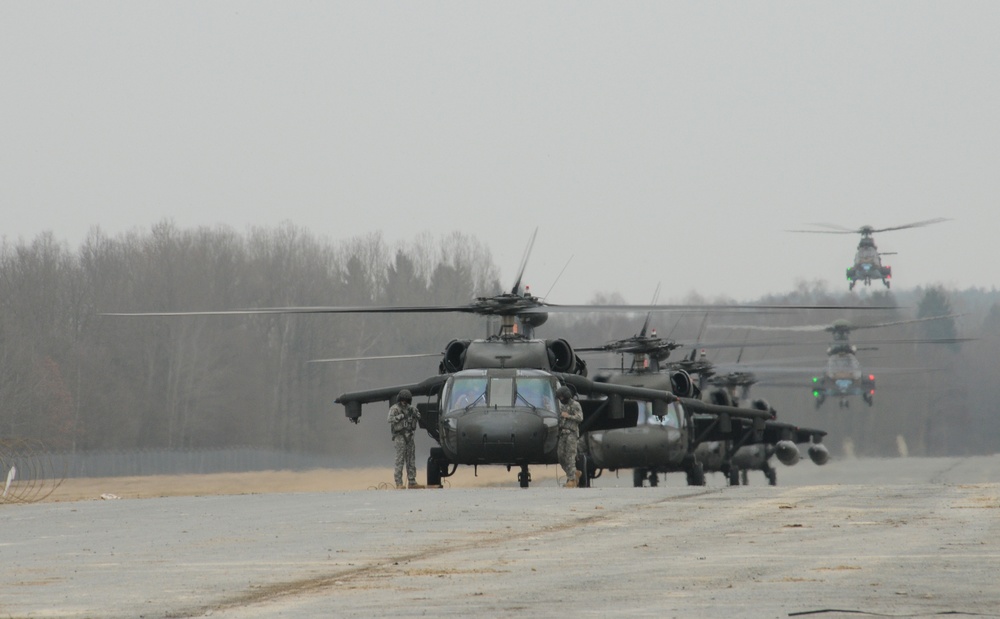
{"points": [[570, 416], [403, 419]]}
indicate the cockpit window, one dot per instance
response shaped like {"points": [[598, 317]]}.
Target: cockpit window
{"points": [[535, 392], [671, 418], [467, 392], [844, 363], [471, 392]]}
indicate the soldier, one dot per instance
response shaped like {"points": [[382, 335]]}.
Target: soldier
{"points": [[403, 419], [570, 416]]}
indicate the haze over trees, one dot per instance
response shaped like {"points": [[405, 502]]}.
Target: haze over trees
{"points": [[78, 380]]}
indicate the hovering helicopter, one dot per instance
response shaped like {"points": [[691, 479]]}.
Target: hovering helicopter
{"points": [[684, 439], [511, 376], [868, 259], [843, 375]]}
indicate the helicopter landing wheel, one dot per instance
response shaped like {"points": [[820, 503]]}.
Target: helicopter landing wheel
{"points": [[771, 474], [437, 467], [638, 477], [524, 477], [734, 476], [583, 468], [696, 474]]}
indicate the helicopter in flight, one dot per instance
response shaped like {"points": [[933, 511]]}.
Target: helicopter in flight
{"points": [[843, 375], [868, 259], [684, 439], [492, 401]]}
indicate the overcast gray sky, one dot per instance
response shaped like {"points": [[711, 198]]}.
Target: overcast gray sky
{"points": [[652, 141]]}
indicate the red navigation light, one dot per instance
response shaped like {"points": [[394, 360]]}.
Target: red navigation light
{"points": [[871, 377]]}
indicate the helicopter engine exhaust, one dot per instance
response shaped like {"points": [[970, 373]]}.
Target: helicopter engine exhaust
{"points": [[818, 454], [682, 385], [787, 452], [562, 358], [454, 356]]}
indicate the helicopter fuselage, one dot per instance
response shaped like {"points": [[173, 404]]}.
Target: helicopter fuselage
{"points": [[868, 265], [659, 443], [499, 416], [843, 378]]}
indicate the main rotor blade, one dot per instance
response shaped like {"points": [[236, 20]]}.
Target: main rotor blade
{"points": [[524, 263], [368, 309], [429, 354], [916, 224], [645, 325], [499, 305], [833, 229], [832, 326], [545, 308]]}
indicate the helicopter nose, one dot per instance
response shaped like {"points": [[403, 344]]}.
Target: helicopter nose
{"points": [[499, 437]]}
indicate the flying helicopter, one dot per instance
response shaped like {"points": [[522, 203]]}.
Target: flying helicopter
{"points": [[513, 375], [843, 375], [684, 439], [868, 259]]}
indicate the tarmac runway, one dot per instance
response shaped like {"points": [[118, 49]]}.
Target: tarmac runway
{"points": [[906, 537]]}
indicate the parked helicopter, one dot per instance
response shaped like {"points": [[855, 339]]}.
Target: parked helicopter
{"points": [[868, 260], [684, 439], [494, 403], [512, 421]]}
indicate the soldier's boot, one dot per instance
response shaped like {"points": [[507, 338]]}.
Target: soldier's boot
{"points": [[571, 483], [578, 474], [400, 487], [414, 486]]}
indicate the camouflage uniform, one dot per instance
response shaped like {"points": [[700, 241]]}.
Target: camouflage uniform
{"points": [[569, 436], [403, 421]]}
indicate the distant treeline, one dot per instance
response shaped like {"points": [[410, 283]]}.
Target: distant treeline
{"points": [[76, 379]]}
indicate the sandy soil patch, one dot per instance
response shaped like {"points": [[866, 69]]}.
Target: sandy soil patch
{"points": [[261, 482]]}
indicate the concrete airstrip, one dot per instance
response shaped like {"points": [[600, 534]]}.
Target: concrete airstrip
{"points": [[903, 537]]}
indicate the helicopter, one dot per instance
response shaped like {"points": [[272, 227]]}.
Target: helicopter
{"points": [[493, 402], [684, 439], [868, 259], [843, 375], [512, 420]]}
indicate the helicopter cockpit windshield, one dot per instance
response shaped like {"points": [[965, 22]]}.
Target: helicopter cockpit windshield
{"points": [[467, 392], [844, 364], [536, 392], [672, 418], [868, 255], [522, 389]]}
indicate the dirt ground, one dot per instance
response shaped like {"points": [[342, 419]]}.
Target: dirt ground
{"points": [[267, 482]]}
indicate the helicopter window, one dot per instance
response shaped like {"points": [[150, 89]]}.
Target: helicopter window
{"points": [[672, 418], [501, 392], [467, 392], [536, 392], [843, 363]]}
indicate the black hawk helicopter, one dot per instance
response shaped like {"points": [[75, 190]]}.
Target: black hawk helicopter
{"points": [[511, 419], [683, 439], [868, 259]]}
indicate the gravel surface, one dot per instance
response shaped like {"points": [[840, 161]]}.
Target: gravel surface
{"points": [[897, 537]]}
